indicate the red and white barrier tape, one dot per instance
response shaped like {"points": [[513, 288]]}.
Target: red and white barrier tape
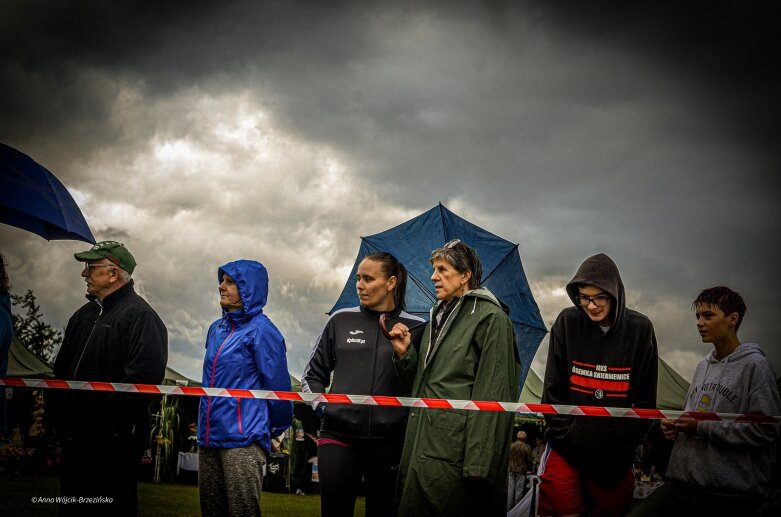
{"points": [[377, 400]]}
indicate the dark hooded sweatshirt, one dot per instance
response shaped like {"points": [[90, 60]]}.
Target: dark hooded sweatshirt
{"points": [[587, 366]]}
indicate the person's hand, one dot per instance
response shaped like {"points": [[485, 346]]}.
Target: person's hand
{"points": [[400, 338], [686, 425], [668, 429]]}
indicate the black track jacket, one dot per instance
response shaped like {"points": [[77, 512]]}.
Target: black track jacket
{"points": [[361, 360]]}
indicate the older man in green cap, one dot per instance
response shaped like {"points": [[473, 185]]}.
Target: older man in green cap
{"points": [[115, 337]]}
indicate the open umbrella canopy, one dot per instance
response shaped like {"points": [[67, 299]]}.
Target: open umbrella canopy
{"points": [[412, 242], [33, 199]]}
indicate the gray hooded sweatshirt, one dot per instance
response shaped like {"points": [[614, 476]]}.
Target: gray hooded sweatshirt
{"points": [[730, 457]]}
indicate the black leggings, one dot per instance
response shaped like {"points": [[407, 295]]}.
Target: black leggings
{"points": [[341, 469]]}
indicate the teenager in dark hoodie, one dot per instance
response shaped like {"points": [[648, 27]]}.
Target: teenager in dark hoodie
{"points": [[601, 353]]}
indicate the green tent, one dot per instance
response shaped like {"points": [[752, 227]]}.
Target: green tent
{"points": [[25, 364], [671, 389], [174, 378], [22, 363]]}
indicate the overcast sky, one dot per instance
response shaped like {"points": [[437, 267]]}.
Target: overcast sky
{"points": [[202, 132]]}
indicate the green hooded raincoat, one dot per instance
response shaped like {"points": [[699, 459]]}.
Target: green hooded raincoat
{"points": [[455, 461]]}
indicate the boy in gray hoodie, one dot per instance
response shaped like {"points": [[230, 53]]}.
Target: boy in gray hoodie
{"points": [[721, 468]]}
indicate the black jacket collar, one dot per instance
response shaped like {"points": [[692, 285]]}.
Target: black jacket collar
{"points": [[376, 314], [113, 298]]}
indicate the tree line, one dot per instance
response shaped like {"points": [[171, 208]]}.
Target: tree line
{"points": [[31, 330]]}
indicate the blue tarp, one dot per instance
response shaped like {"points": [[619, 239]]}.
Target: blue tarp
{"points": [[412, 242]]}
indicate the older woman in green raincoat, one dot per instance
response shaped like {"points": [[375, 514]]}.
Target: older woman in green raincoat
{"points": [[455, 461]]}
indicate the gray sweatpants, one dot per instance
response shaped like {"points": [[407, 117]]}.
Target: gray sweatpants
{"points": [[229, 481], [516, 482]]}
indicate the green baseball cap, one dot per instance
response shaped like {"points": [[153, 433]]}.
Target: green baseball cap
{"points": [[115, 251]]}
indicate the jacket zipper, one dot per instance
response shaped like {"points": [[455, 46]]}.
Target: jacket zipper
{"points": [[86, 341], [214, 367], [440, 336], [371, 379], [238, 411]]}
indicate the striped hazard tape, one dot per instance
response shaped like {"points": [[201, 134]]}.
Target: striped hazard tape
{"points": [[378, 400]]}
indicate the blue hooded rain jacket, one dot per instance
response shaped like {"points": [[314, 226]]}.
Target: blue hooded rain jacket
{"points": [[244, 350]]}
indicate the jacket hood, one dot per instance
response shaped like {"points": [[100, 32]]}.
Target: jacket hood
{"points": [[741, 352], [485, 294], [600, 270], [252, 280]]}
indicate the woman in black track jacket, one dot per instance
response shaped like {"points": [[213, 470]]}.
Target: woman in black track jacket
{"points": [[360, 441]]}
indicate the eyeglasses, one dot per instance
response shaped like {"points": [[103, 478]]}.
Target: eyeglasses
{"points": [[598, 301], [87, 266], [452, 244]]}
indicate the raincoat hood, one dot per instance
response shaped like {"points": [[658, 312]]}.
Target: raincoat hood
{"points": [[251, 279], [600, 271], [485, 294]]}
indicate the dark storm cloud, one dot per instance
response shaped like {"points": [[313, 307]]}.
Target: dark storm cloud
{"points": [[312, 54], [645, 130]]}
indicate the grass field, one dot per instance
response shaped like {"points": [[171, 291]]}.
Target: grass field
{"points": [[159, 500]]}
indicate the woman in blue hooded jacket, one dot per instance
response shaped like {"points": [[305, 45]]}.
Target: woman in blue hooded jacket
{"points": [[244, 350]]}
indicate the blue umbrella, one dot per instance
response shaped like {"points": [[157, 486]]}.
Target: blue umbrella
{"points": [[33, 199], [412, 242]]}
